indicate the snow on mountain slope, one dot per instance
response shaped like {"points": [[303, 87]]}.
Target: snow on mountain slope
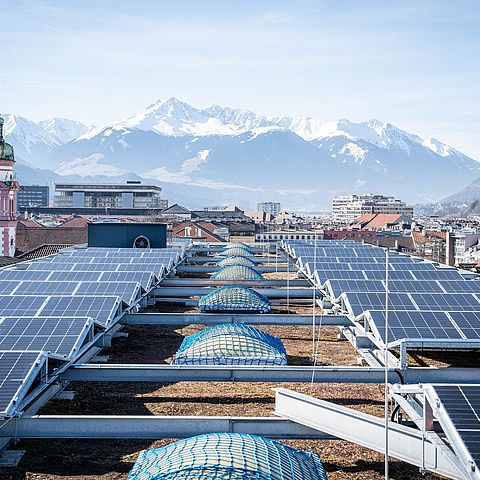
{"points": [[237, 150], [65, 130]]}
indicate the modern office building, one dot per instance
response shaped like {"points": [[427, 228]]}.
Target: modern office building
{"points": [[32, 196], [347, 208], [273, 208], [127, 195]]}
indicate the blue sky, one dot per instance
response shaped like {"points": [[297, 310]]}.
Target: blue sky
{"points": [[413, 63]]}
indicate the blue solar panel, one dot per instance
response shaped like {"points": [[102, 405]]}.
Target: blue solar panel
{"points": [[337, 287], [21, 306], [393, 275], [127, 291], [437, 274], [446, 301], [60, 336], [45, 288], [462, 404], [101, 309], [17, 371], [453, 286], [325, 275], [24, 275], [360, 302], [468, 323], [415, 325], [75, 276]]}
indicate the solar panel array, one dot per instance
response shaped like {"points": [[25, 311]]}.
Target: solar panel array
{"points": [[58, 306], [462, 406], [426, 301]]}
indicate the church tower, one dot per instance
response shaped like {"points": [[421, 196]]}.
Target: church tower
{"points": [[8, 197]]}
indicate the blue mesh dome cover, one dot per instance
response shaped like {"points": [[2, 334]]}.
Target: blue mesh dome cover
{"points": [[227, 456], [237, 272], [234, 299], [237, 260], [235, 250], [231, 344]]}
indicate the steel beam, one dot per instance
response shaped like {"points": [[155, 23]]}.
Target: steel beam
{"points": [[201, 291], [219, 318], [151, 427], [214, 373], [205, 282], [274, 374], [405, 443]]}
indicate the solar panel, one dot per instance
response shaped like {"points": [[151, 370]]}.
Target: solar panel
{"points": [[325, 275], [75, 276], [468, 323], [414, 286], [45, 288], [127, 291], [360, 302], [437, 274], [393, 275], [446, 301], [24, 275], [17, 370], [21, 306], [337, 287], [462, 405], [453, 286], [415, 325], [156, 268], [145, 279], [369, 266], [61, 336], [50, 266], [101, 309]]}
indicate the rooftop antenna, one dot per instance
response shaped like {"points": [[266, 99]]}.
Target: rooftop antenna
{"points": [[386, 365]]}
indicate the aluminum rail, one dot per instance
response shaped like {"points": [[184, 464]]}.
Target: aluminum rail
{"points": [[274, 374], [201, 291], [405, 443], [219, 318], [205, 282], [151, 427]]}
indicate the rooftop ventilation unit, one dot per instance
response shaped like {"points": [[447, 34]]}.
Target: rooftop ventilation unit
{"points": [[231, 344], [229, 456], [234, 299]]}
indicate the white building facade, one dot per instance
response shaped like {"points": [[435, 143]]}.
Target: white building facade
{"points": [[273, 208], [128, 195], [347, 208]]}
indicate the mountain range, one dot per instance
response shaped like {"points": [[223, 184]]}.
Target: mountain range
{"points": [[226, 155]]}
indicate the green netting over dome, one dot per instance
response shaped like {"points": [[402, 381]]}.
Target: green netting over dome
{"points": [[234, 299], [236, 250], [227, 456], [237, 260], [231, 344], [237, 272]]}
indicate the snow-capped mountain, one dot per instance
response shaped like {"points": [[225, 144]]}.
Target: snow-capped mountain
{"points": [[33, 141], [228, 151], [64, 130]]}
